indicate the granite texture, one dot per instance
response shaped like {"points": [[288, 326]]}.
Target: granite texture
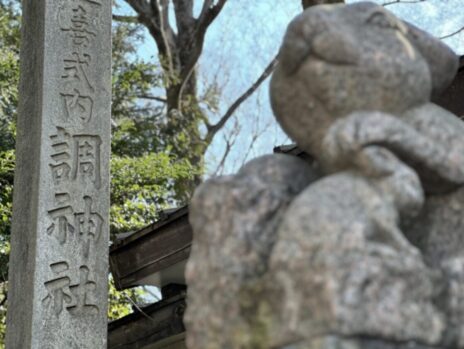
{"points": [[340, 342], [58, 275], [340, 59], [235, 223], [341, 265], [439, 233], [368, 255]]}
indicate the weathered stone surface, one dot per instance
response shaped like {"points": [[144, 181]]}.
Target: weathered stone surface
{"points": [[339, 59], [439, 233], [59, 261], [341, 265], [235, 221], [436, 152], [339, 342], [315, 95], [353, 89]]}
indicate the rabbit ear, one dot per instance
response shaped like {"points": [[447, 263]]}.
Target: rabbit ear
{"points": [[442, 61]]}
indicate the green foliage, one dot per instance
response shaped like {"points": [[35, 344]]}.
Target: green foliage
{"points": [[7, 163], [143, 141], [136, 116], [9, 78], [9, 74], [142, 186], [3, 293], [120, 302], [146, 175]]}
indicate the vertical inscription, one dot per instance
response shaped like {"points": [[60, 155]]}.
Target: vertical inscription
{"points": [[63, 293], [78, 106], [87, 158], [61, 156], [75, 70], [78, 25], [75, 158], [89, 225], [59, 258], [60, 215], [86, 224], [75, 162], [77, 19]]}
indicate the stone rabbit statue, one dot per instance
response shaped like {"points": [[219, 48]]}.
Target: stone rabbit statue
{"points": [[358, 254]]}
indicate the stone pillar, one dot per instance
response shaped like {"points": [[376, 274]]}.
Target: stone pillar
{"points": [[59, 250]]}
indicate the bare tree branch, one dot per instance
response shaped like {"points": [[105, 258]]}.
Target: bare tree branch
{"points": [[187, 47], [206, 6], [230, 141], [393, 2], [212, 130], [184, 83], [125, 19], [185, 21], [209, 14], [155, 98], [139, 6], [452, 34], [149, 16], [140, 110], [254, 138], [138, 308], [165, 30]]}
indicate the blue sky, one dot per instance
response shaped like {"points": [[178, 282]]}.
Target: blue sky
{"points": [[243, 40]]}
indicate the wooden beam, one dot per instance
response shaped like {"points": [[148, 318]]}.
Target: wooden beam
{"points": [[151, 250], [159, 323]]}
